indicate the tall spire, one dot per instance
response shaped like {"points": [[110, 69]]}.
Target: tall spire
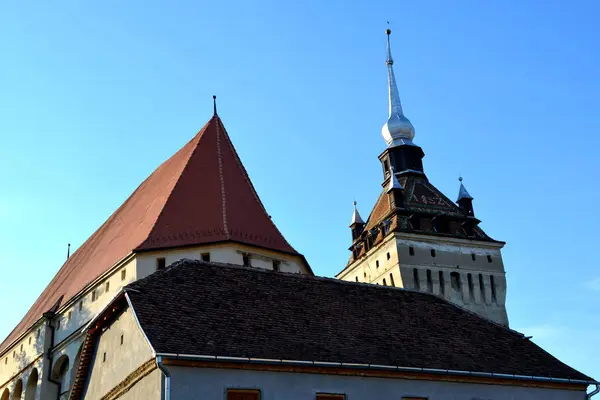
{"points": [[397, 130]]}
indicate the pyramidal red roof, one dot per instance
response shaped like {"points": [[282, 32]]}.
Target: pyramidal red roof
{"points": [[200, 195]]}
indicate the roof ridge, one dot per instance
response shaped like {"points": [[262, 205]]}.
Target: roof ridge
{"points": [[222, 179], [199, 135], [251, 185]]}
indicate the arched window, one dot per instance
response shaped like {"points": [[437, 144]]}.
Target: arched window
{"points": [[356, 277], [416, 279], [18, 390], [392, 279], [384, 282], [5, 395], [31, 385], [377, 264], [59, 372], [433, 253], [442, 283], [456, 294]]}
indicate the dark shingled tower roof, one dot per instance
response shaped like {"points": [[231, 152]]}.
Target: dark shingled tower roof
{"points": [[213, 309], [200, 195]]}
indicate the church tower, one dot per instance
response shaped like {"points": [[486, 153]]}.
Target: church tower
{"points": [[417, 238]]}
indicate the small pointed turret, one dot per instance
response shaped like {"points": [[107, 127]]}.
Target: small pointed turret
{"points": [[398, 129], [395, 191], [465, 200], [394, 183], [357, 224], [356, 219]]}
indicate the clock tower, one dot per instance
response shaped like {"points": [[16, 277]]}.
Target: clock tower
{"points": [[416, 237]]}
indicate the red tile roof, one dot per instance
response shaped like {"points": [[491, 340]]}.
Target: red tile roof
{"points": [[200, 195]]}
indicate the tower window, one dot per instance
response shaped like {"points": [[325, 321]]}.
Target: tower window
{"points": [[473, 256], [377, 264], [81, 305], [123, 274], [489, 258], [432, 252], [70, 315], [442, 288], [416, 279], [93, 295], [471, 287], [246, 260], [356, 277], [365, 275], [160, 263], [481, 288], [29, 340], [104, 357], [122, 339], [455, 281], [493, 285], [107, 286], [392, 280], [411, 251], [58, 324], [276, 265], [388, 255], [429, 282], [205, 257], [384, 282]]}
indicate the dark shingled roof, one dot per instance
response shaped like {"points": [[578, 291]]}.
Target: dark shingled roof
{"points": [[221, 310]]}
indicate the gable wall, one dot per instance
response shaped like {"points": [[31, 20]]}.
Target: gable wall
{"points": [[121, 359]]}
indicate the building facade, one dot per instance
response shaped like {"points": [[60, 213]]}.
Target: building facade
{"points": [[417, 238]]}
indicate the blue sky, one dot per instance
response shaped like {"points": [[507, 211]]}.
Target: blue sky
{"points": [[95, 96]]}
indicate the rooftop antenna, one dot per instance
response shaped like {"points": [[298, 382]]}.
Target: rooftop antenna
{"points": [[68, 250], [215, 104]]}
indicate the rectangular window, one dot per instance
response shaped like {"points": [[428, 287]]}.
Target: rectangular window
{"points": [[70, 314], [205, 257], [122, 339], [238, 394], [81, 305], [276, 265], [107, 286], [93, 295], [246, 260], [104, 357], [58, 324], [123, 274], [160, 263], [329, 396]]}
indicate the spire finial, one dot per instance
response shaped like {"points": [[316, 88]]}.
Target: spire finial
{"points": [[215, 104], [397, 130]]}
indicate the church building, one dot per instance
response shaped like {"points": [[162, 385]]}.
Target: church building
{"points": [[189, 290]]}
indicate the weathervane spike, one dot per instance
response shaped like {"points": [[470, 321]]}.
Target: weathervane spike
{"points": [[397, 130], [215, 105]]}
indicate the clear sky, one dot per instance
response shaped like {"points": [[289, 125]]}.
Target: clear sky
{"points": [[95, 95]]}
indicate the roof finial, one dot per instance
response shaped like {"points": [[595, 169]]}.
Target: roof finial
{"points": [[215, 105], [397, 130], [356, 219], [68, 250]]}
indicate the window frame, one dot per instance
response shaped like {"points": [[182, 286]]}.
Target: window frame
{"points": [[242, 391], [330, 396]]}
